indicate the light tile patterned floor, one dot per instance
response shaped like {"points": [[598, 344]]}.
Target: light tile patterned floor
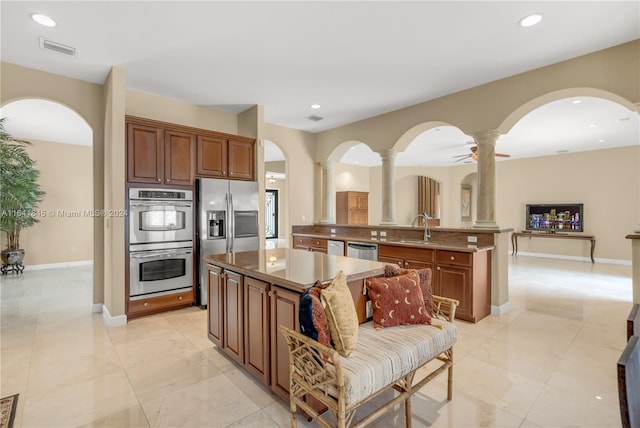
{"points": [[549, 362]]}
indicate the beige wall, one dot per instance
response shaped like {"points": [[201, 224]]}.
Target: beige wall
{"points": [[164, 109], [86, 99], [65, 233], [298, 148]]}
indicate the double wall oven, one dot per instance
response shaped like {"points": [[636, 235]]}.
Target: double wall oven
{"points": [[160, 242]]}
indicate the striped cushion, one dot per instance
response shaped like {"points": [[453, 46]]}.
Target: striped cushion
{"points": [[383, 356]]}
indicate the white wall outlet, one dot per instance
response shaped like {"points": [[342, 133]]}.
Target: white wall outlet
{"points": [[472, 239], [374, 233], [369, 308], [383, 233], [333, 231]]}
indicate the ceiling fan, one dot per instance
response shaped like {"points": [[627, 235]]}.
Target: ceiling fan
{"points": [[474, 154]]}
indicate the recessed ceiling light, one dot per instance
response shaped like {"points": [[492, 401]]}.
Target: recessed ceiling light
{"points": [[601, 141], [357, 162], [592, 125], [530, 20], [43, 20], [316, 106], [624, 119], [562, 151], [576, 101]]}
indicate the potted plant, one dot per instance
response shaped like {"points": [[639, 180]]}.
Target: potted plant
{"points": [[19, 194]]}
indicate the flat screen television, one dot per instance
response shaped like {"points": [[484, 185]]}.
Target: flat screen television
{"points": [[555, 218]]}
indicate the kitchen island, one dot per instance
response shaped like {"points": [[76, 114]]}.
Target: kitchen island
{"points": [[252, 293]]}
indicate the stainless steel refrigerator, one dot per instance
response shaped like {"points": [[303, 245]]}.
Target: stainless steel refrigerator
{"points": [[227, 219]]}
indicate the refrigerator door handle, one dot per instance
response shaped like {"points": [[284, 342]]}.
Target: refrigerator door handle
{"points": [[232, 221], [228, 209]]}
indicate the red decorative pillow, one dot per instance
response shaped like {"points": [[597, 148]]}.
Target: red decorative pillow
{"points": [[397, 300], [425, 282]]}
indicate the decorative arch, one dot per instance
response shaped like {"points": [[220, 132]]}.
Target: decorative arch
{"points": [[412, 133], [54, 118], [526, 108], [342, 148]]}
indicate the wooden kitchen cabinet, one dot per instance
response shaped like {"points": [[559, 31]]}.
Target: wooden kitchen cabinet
{"points": [[256, 329], [407, 257], [352, 208], [215, 304], [284, 311], [159, 156], [179, 158], [310, 244], [465, 277], [221, 157], [233, 316], [152, 305]]}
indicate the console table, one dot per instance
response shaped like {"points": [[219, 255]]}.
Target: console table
{"points": [[515, 235]]}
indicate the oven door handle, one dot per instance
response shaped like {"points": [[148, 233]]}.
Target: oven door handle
{"points": [[160, 203], [156, 254]]}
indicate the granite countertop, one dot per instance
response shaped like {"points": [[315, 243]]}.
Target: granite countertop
{"points": [[413, 243], [294, 269]]}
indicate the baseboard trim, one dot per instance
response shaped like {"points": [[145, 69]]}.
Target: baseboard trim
{"points": [[111, 321], [60, 265], [96, 308], [501, 310], [574, 258]]}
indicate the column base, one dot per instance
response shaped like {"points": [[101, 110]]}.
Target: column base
{"points": [[388, 222], [327, 221], [479, 224]]}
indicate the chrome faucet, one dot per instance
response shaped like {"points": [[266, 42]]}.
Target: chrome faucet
{"points": [[426, 218]]}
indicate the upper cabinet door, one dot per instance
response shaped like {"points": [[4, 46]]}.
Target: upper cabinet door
{"points": [[241, 159], [145, 154], [180, 158], [212, 156]]}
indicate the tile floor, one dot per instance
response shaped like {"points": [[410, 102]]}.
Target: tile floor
{"points": [[549, 362]]}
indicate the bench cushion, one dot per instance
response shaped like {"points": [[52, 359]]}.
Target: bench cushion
{"points": [[384, 356]]}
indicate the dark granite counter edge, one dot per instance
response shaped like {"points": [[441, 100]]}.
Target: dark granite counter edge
{"points": [[293, 286], [431, 245]]}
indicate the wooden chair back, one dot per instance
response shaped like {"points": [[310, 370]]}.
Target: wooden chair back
{"points": [[629, 383], [633, 322]]}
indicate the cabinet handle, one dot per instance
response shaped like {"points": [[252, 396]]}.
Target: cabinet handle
{"points": [[438, 267], [146, 304], [168, 180], [406, 264], [180, 298], [224, 173], [261, 290], [453, 258], [159, 179], [271, 293]]}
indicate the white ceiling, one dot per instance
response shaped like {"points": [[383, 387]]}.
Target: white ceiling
{"points": [[357, 59]]}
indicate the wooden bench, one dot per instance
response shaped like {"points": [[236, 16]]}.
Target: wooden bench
{"points": [[383, 359]]}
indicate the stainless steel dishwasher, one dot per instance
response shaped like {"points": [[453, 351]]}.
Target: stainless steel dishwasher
{"points": [[360, 250], [335, 248]]}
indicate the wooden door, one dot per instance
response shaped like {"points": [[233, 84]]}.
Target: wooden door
{"points": [[233, 316], [455, 282], [256, 328], [145, 154], [179, 158], [418, 264], [215, 300], [212, 156], [284, 311], [241, 159]]}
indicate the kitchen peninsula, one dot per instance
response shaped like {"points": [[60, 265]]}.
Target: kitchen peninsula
{"points": [[460, 259], [252, 293]]}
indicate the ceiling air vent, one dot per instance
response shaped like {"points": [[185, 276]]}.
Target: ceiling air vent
{"points": [[57, 47], [315, 118]]}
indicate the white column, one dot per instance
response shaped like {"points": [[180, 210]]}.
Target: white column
{"points": [[328, 193], [486, 195], [388, 186]]}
